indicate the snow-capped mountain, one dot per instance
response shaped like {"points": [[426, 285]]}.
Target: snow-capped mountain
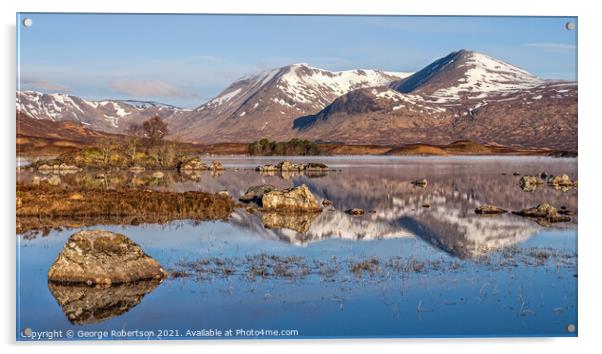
{"points": [[464, 95], [107, 115], [265, 104], [466, 74]]}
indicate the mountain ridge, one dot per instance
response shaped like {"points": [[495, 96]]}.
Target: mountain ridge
{"points": [[108, 115], [463, 95]]}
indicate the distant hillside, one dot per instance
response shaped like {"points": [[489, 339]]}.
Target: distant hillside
{"points": [[464, 95], [46, 137], [113, 116]]}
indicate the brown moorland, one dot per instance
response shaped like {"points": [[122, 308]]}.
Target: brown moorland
{"points": [[46, 207]]}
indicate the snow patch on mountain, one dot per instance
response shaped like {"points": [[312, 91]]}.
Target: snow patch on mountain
{"points": [[107, 115], [225, 97], [297, 86], [306, 84], [402, 100], [484, 75]]}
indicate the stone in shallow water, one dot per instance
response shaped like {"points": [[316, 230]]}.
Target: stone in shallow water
{"points": [[489, 210], [290, 166], [316, 166], [103, 257], [192, 164], [561, 181], [255, 194], [217, 166], [355, 211], [529, 183], [267, 168], [543, 211], [293, 199], [420, 182]]}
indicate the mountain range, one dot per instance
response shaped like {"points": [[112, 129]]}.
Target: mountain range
{"points": [[464, 95]]}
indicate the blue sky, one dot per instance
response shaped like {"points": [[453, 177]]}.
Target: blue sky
{"points": [[187, 59]]}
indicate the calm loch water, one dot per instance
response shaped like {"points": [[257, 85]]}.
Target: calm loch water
{"points": [[400, 270]]}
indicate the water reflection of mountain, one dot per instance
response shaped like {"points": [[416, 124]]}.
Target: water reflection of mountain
{"points": [[455, 188], [302, 229], [83, 304], [449, 223]]}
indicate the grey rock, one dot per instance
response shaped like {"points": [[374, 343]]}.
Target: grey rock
{"points": [[103, 257], [293, 199], [255, 194]]}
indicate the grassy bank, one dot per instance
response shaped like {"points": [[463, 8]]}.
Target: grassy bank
{"points": [[46, 207]]}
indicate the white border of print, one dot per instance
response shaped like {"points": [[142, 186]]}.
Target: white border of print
{"points": [[589, 165]]}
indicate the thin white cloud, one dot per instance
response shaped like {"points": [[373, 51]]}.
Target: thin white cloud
{"points": [[550, 45], [42, 85], [148, 88]]}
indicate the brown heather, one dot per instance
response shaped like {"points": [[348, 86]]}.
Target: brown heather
{"points": [[47, 207]]}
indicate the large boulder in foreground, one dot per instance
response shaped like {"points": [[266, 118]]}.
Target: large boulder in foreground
{"points": [[293, 199], [103, 258]]}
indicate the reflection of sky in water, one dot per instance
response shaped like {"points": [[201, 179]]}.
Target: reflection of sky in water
{"points": [[474, 301]]}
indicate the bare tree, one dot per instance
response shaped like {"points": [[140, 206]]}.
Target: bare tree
{"points": [[154, 129], [135, 130], [106, 150]]}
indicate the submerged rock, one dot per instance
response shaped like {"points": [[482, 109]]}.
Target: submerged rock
{"points": [[562, 181], [267, 168], [103, 257], [489, 210], [543, 211], [223, 193], [293, 199], [355, 211], [564, 211], [255, 194], [137, 169], [420, 182], [192, 164], [316, 166], [84, 304], [326, 202], [289, 166], [217, 166], [529, 183], [158, 174]]}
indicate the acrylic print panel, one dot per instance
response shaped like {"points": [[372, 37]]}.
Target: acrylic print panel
{"points": [[238, 176]]}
